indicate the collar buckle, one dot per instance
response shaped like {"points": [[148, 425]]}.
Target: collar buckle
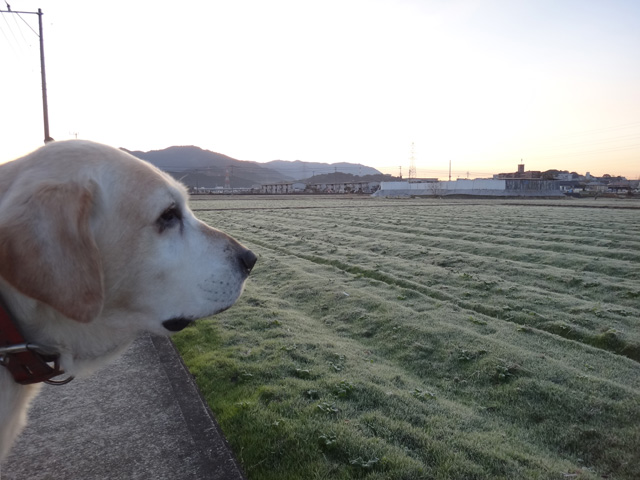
{"points": [[11, 349], [27, 362]]}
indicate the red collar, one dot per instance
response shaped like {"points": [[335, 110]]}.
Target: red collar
{"points": [[26, 361]]}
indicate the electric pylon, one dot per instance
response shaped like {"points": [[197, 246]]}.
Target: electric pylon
{"points": [[227, 182], [412, 163]]}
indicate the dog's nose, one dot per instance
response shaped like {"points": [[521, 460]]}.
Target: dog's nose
{"points": [[248, 259]]}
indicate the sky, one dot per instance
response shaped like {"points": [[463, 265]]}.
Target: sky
{"points": [[481, 84]]}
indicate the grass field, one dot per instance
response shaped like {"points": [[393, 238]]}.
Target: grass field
{"points": [[419, 339]]}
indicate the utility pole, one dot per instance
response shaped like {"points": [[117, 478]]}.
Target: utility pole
{"points": [[45, 108]]}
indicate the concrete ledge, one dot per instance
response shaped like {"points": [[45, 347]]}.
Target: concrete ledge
{"points": [[141, 417]]}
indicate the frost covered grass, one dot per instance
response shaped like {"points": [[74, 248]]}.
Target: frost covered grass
{"points": [[411, 339]]}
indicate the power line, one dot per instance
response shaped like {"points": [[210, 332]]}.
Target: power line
{"points": [[605, 129], [584, 153], [19, 28], [27, 24], [592, 142], [5, 35], [15, 39]]}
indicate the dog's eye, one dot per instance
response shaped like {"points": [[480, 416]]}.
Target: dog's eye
{"points": [[171, 217]]}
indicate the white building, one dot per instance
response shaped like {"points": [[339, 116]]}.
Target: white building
{"points": [[479, 187]]}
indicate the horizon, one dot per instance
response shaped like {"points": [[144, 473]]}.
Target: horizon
{"points": [[329, 171], [485, 84]]}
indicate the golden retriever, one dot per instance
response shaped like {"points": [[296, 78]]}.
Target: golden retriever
{"points": [[97, 246]]}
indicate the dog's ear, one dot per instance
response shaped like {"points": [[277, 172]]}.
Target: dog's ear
{"points": [[47, 250]]}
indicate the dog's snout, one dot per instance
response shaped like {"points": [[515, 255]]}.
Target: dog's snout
{"points": [[248, 259]]}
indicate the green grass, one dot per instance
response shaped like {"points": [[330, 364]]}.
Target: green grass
{"points": [[417, 339]]}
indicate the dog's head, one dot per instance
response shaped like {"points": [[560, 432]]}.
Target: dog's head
{"points": [[101, 236]]}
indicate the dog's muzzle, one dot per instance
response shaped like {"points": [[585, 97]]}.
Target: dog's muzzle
{"points": [[247, 260], [176, 324]]}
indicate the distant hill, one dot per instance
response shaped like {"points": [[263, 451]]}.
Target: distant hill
{"points": [[197, 167], [349, 178], [299, 169], [176, 159]]}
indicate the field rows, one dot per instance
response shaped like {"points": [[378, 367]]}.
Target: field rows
{"points": [[484, 273], [438, 340]]}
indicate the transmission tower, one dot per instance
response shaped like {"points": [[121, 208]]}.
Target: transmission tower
{"points": [[227, 182], [412, 163]]}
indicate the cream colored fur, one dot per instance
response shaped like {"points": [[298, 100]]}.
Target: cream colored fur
{"points": [[97, 246]]}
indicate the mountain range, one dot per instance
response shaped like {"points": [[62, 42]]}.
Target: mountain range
{"points": [[197, 167]]}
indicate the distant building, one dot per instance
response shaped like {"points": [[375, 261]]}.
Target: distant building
{"points": [[620, 187], [597, 187], [565, 177], [279, 188], [510, 187], [531, 174], [423, 180], [571, 186], [328, 187]]}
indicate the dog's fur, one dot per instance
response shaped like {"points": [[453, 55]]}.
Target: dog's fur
{"points": [[97, 246]]}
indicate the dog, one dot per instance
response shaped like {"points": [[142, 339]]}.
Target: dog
{"points": [[97, 246]]}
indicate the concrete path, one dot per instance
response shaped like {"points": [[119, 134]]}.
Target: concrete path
{"points": [[141, 417]]}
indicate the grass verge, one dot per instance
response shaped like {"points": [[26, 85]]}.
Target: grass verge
{"points": [[344, 362]]}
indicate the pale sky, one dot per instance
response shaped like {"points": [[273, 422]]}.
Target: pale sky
{"points": [[481, 83]]}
